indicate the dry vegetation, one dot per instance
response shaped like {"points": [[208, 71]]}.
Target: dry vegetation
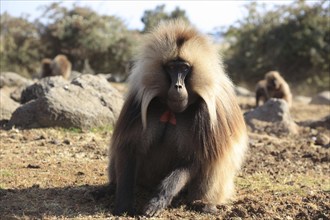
{"points": [[50, 174]]}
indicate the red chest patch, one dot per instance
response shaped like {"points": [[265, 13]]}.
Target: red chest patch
{"points": [[168, 117]]}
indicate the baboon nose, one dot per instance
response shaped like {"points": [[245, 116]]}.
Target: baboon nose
{"points": [[178, 86]]}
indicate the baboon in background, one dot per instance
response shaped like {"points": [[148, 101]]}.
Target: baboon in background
{"points": [[273, 86], [59, 66], [46, 69], [180, 127]]}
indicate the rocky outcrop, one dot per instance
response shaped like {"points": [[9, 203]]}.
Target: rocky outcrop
{"points": [[88, 101], [273, 117], [240, 91], [11, 79], [43, 86], [322, 98], [7, 105]]}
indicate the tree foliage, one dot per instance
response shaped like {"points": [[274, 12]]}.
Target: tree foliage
{"points": [[100, 42], [87, 38], [83, 35], [151, 18], [294, 39], [20, 45]]}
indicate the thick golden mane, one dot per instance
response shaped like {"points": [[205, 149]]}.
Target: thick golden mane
{"points": [[181, 126], [169, 41]]}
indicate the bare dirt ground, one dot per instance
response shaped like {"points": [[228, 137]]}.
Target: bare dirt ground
{"points": [[50, 174]]}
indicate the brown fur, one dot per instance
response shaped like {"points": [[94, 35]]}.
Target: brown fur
{"points": [[46, 69], [59, 66], [202, 152], [273, 86]]}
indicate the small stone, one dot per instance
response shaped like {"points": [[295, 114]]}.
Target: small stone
{"points": [[55, 142], [322, 139], [31, 166], [80, 173], [66, 141]]}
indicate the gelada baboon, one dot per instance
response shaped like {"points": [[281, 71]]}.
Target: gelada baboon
{"points": [[273, 86], [59, 66], [46, 69], [180, 127]]}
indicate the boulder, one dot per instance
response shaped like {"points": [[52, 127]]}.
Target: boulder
{"points": [[322, 98], [273, 117], [15, 81], [40, 88], [322, 140], [16, 94], [7, 105], [240, 91], [302, 99], [87, 102], [323, 122], [110, 77], [11, 79], [74, 74]]}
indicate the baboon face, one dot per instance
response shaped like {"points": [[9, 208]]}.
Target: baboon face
{"points": [[168, 68], [272, 84], [273, 80], [177, 96]]}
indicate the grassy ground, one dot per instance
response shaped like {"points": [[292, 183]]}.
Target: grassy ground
{"points": [[50, 174]]}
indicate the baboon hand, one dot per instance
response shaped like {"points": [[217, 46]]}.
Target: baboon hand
{"points": [[155, 206]]}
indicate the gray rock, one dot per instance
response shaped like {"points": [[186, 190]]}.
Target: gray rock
{"points": [[87, 102], [11, 79], [74, 74], [273, 117], [322, 98], [240, 91], [323, 122], [7, 105], [41, 87], [302, 99], [322, 140], [108, 76], [16, 94]]}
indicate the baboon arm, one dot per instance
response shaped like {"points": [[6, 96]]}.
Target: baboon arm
{"points": [[169, 188], [126, 162], [257, 100]]}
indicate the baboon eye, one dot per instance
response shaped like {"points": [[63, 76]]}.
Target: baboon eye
{"points": [[178, 67], [170, 67], [184, 68]]}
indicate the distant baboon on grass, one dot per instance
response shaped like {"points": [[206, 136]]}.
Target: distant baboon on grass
{"points": [[273, 86]]}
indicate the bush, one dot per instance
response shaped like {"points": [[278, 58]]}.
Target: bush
{"points": [[293, 39], [20, 46]]}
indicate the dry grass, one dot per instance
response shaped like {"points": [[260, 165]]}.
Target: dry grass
{"points": [[299, 184], [50, 173]]}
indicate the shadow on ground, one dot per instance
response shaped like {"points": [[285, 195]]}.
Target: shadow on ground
{"points": [[35, 202]]}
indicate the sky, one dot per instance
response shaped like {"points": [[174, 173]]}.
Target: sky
{"points": [[205, 15]]}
